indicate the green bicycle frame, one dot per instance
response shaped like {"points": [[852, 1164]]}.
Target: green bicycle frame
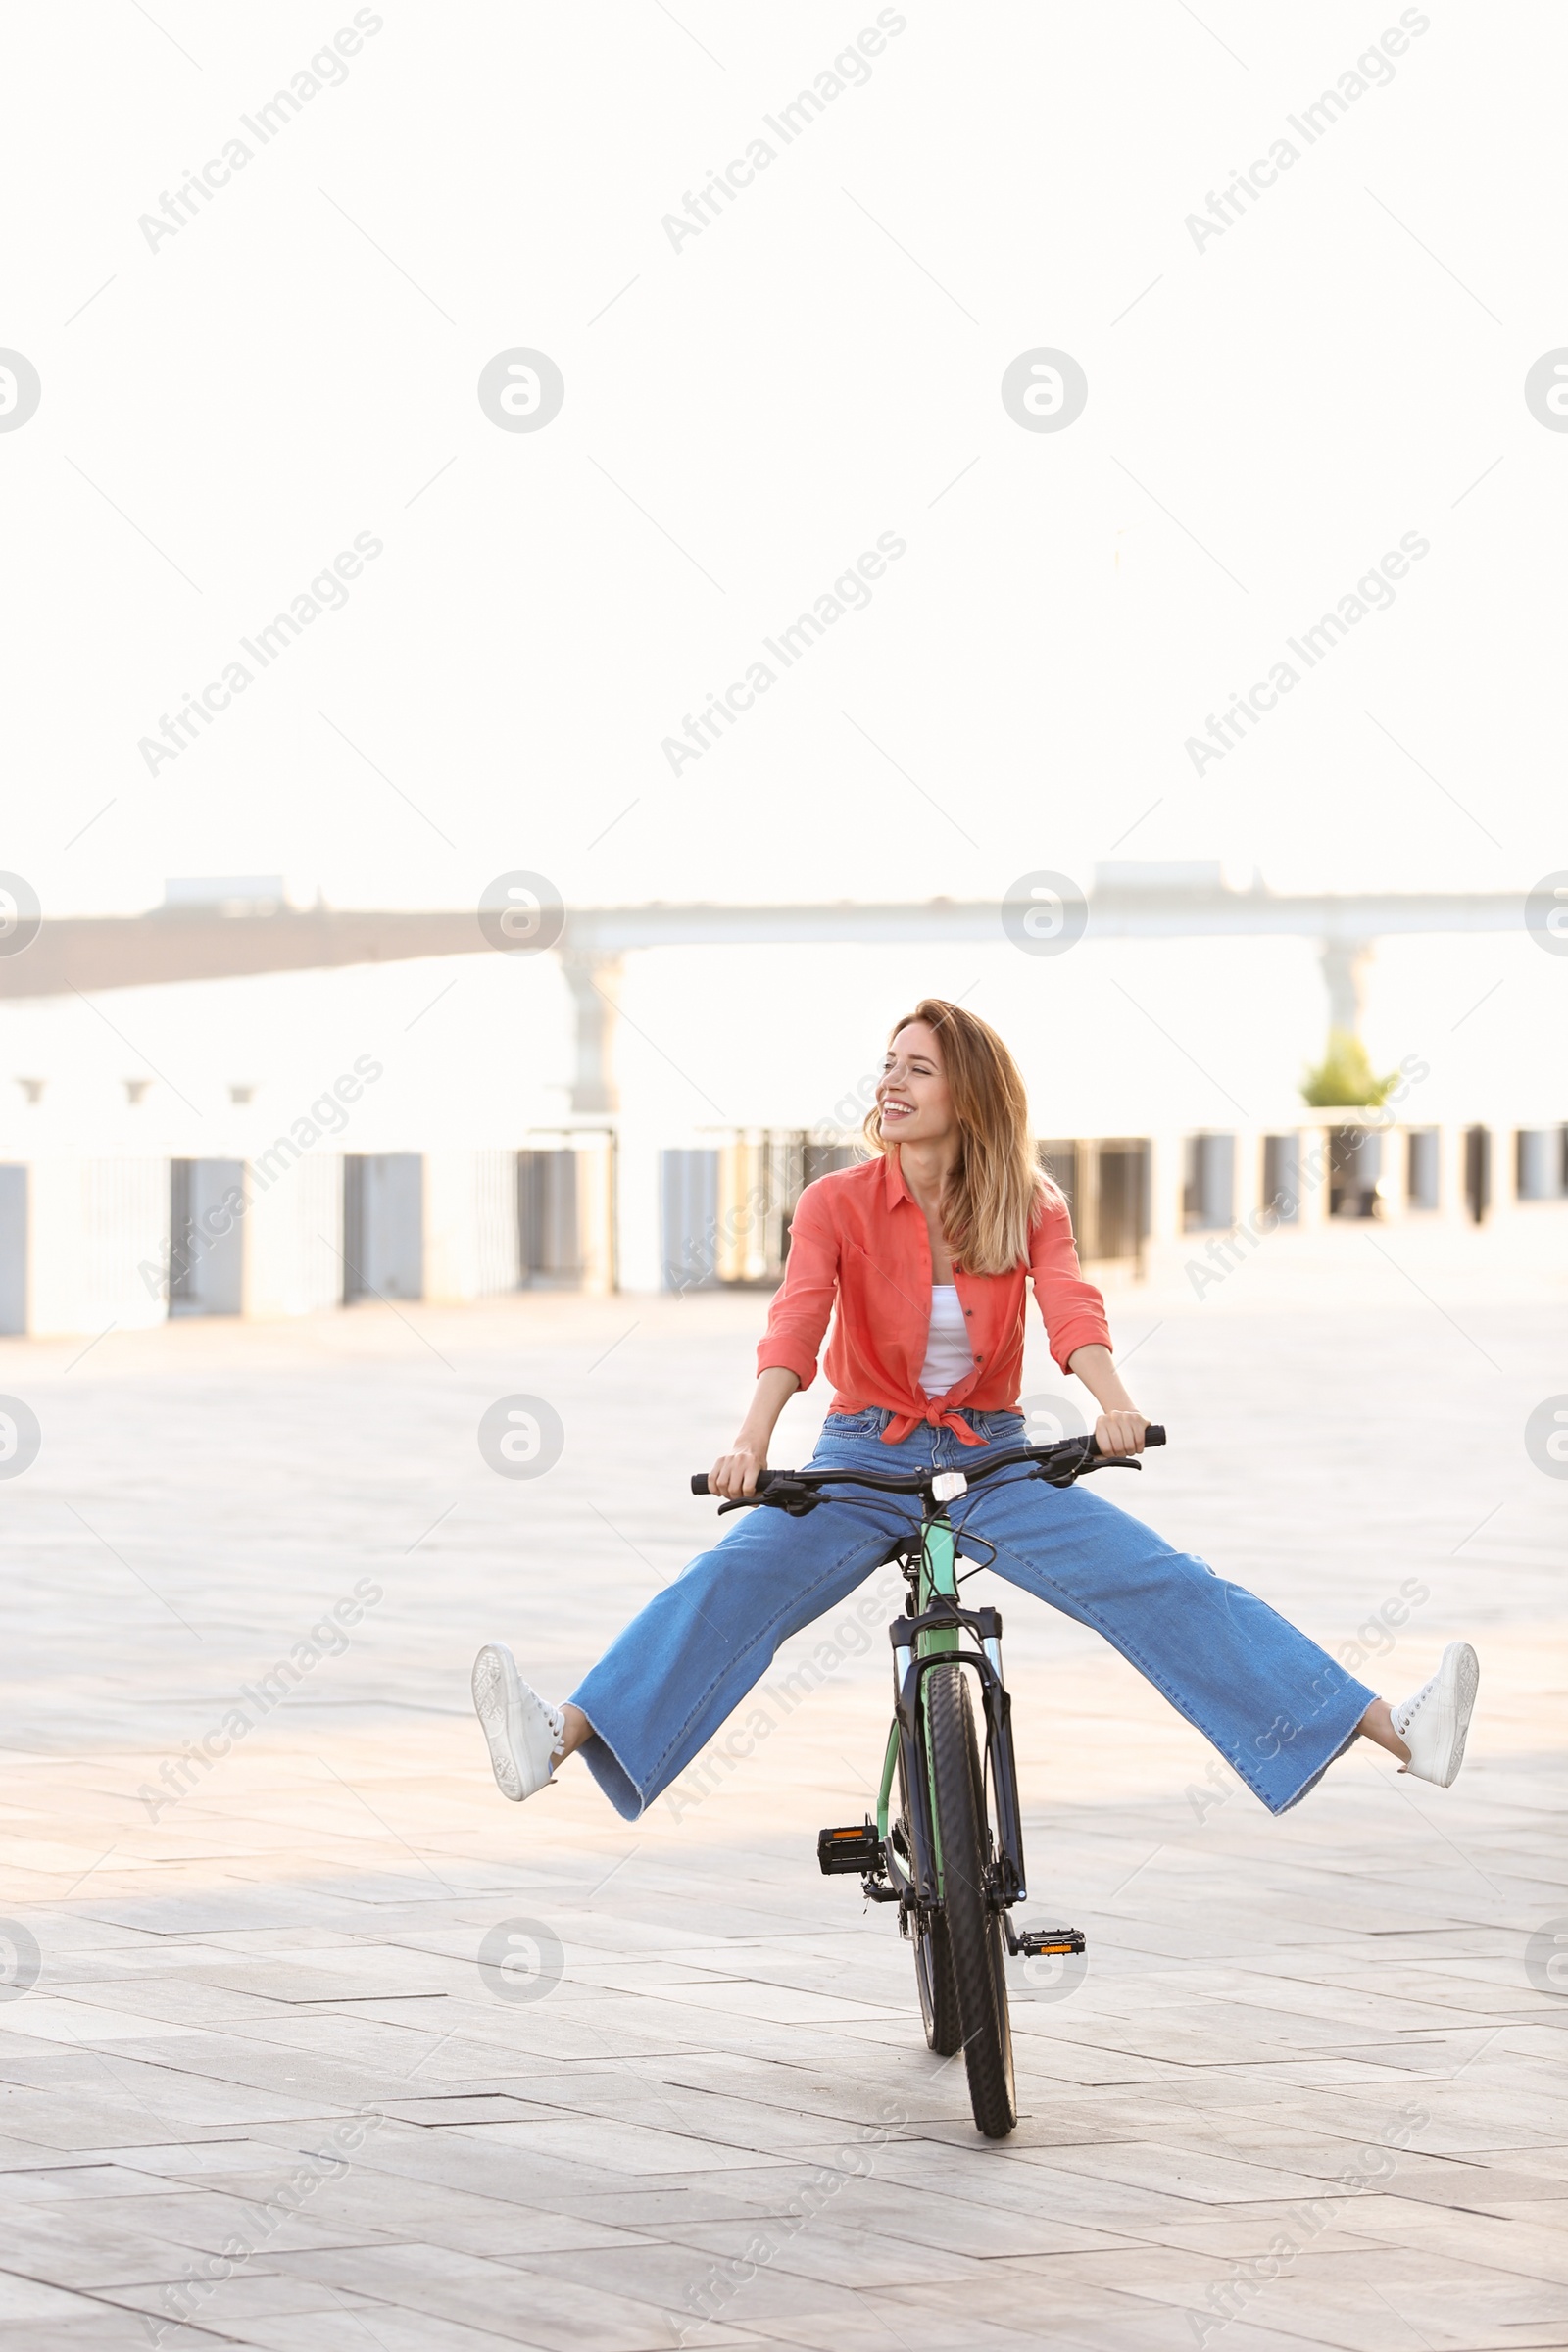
{"points": [[938, 1579], [936, 1596]]}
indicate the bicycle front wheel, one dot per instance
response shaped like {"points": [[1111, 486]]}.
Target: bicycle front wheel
{"points": [[933, 1960], [973, 1928]]}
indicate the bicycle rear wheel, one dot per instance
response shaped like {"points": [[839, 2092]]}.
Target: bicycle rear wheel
{"points": [[933, 1955], [973, 1928]]}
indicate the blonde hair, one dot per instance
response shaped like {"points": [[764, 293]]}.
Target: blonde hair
{"points": [[997, 1189]]}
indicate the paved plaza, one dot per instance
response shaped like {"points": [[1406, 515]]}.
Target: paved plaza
{"points": [[266, 2082]]}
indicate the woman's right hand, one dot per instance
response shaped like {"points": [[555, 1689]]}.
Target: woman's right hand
{"points": [[735, 1473]]}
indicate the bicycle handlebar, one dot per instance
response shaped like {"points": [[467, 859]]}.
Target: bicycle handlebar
{"points": [[1062, 1454]]}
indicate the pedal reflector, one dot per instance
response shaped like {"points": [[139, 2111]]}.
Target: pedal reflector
{"points": [[849, 1851], [1035, 1941]]}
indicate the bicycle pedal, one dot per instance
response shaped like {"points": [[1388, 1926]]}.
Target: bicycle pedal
{"points": [[1034, 1942], [849, 1852]]}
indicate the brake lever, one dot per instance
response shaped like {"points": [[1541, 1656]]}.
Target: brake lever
{"points": [[797, 1500], [1069, 1478]]}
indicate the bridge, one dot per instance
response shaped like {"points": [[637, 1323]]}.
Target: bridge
{"points": [[236, 931]]}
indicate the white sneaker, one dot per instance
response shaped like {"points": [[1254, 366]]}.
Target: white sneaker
{"points": [[1434, 1723], [523, 1732]]}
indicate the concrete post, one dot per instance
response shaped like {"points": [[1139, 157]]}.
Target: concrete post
{"points": [[638, 1240], [1394, 1186], [1313, 1163], [1345, 962], [1505, 1171], [1166, 1174], [1451, 1205], [293, 1235], [595, 983], [98, 1243], [471, 1224], [598, 1209], [1246, 1183]]}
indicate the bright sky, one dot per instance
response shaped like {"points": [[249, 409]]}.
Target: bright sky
{"points": [[1338, 373]]}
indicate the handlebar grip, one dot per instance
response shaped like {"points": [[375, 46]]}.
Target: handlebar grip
{"points": [[1155, 1433], [764, 1479]]}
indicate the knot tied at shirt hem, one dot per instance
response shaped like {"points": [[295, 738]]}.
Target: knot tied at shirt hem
{"points": [[936, 1415]]}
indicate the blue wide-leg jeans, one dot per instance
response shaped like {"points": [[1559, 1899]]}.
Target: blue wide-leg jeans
{"points": [[1277, 1707]]}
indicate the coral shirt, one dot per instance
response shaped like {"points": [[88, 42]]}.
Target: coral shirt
{"points": [[859, 1239]]}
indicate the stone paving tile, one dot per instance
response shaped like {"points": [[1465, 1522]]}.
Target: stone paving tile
{"points": [[194, 2159], [561, 2315], [77, 2021], [612, 2147], [202, 2220], [360, 2208], [1243, 2232], [436, 2109], [97, 2328], [280, 2311], [1470, 2187], [295, 1940], [1358, 2297], [358, 2324], [412, 2152], [59, 2249], [1203, 2177], [120, 2108], [836, 2250], [882, 2216], [1545, 2215], [758, 2275], [1546, 2163], [728, 2118], [1029, 2317], [25, 2298], [1016, 2187], [1530, 2245], [355, 2324], [230, 2305], [775, 2084], [1447, 2302], [78, 2183], [289, 2079]]}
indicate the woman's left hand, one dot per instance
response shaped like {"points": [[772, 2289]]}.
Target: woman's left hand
{"points": [[1120, 1434]]}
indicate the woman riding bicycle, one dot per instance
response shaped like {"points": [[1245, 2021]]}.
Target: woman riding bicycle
{"points": [[923, 1250]]}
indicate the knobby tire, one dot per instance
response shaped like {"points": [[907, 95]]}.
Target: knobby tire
{"points": [[973, 1928], [933, 1956]]}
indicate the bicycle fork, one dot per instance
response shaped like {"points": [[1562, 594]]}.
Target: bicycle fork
{"points": [[922, 1639], [933, 1636]]}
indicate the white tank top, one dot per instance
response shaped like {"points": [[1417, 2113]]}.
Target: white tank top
{"points": [[947, 1355]]}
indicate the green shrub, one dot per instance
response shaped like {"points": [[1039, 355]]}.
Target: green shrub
{"points": [[1344, 1077]]}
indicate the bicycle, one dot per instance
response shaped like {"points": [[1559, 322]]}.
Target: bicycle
{"points": [[952, 1858]]}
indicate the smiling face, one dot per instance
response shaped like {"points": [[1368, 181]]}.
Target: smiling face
{"points": [[912, 1093]]}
